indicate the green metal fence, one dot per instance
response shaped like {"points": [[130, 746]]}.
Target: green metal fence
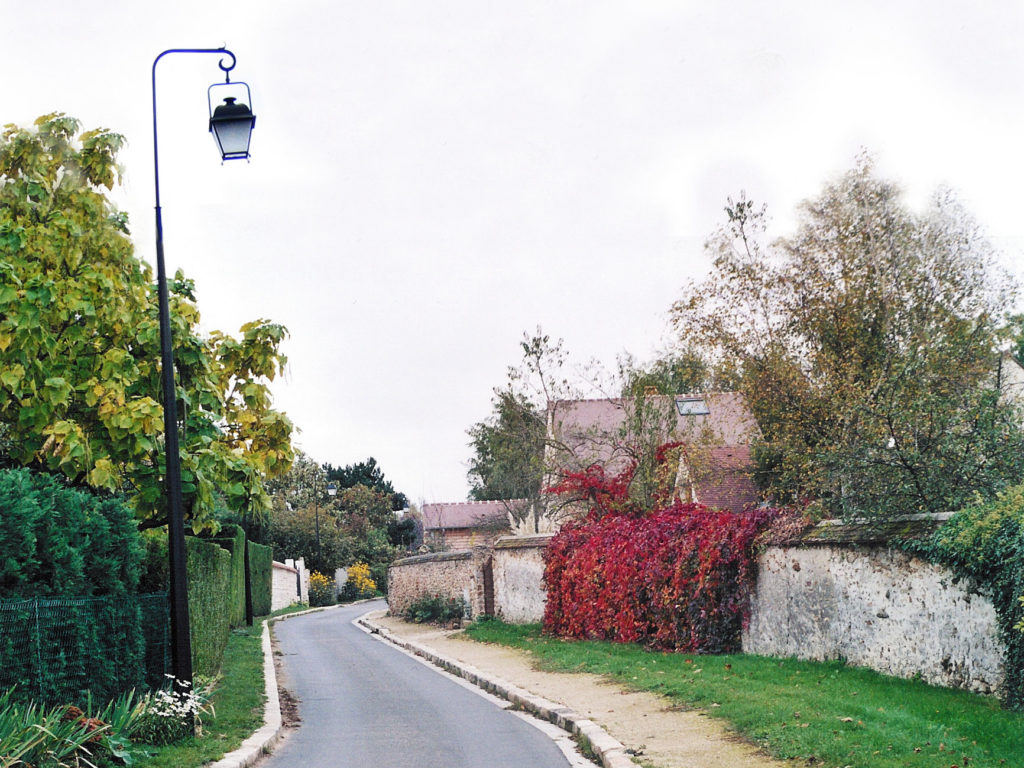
{"points": [[56, 650]]}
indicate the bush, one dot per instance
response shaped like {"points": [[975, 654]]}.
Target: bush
{"points": [[261, 565], [359, 585], [67, 735], [321, 590], [435, 609], [985, 543], [679, 578], [167, 715], [58, 540]]}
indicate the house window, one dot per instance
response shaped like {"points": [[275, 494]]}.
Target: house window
{"points": [[692, 406]]}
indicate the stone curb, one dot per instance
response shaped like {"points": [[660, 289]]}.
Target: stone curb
{"points": [[261, 742], [612, 753]]}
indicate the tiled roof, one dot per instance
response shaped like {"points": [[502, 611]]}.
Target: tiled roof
{"points": [[467, 514], [590, 430], [728, 483]]}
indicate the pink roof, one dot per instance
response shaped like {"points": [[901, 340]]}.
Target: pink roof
{"points": [[467, 514], [591, 430], [728, 484], [585, 425]]}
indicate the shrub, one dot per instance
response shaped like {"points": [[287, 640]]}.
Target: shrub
{"points": [[67, 735], [985, 544], [58, 540], [168, 715], [435, 609], [679, 578], [359, 585], [321, 590]]}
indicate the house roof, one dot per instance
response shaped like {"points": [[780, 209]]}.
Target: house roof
{"points": [[467, 514], [718, 425], [728, 483]]}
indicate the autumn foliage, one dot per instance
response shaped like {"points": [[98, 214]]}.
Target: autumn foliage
{"points": [[678, 578]]}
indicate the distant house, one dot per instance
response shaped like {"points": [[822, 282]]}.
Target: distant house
{"points": [[715, 428], [465, 524]]}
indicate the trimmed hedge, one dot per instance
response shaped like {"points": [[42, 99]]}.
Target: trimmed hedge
{"points": [[261, 574], [232, 538], [209, 603]]}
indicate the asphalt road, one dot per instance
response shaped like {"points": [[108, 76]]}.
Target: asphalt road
{"points": [[364, 704]]}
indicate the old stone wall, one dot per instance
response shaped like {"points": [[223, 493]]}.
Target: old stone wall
{"points": [[874, 607], [449, 574], [518, 564]]}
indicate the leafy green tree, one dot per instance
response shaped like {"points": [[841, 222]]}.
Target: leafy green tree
{"points": [[292, 534], [79, 338], [867, 346], [678, 373], [369, 474], [508, 450]]}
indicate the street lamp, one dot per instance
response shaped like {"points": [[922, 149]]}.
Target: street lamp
{"points": [[227, 127]]}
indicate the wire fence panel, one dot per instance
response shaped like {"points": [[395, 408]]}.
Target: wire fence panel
{"points": [[58, 650]]}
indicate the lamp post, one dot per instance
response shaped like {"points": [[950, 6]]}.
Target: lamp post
{"points": [[227, 124]]}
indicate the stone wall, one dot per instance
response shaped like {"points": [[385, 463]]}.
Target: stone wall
{"points": [[519, 593], [449, 574], [286, 585], [878, 608]]}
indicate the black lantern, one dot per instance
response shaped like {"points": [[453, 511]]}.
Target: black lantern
{"points": [[231, 125]]}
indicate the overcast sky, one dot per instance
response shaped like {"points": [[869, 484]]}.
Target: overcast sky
{"points": [[431, 179]]}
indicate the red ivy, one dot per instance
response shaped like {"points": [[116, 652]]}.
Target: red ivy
{"points": [[677, 579], [602, 494]]}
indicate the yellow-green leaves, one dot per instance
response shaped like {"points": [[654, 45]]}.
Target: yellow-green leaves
{"points": [[80, 388]]}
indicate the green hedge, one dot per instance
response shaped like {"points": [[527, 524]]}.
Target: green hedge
{"points": [[209, 603], [57, 540], [261, 574], [232, 538], [984, 544]]}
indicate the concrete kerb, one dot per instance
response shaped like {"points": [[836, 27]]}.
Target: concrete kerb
{"points": [[261, 742], [609, 750]]}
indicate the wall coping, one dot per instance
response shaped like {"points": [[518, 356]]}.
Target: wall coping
{"points": [[864, 531], [531, 540], [433, 557], [283, 567]]}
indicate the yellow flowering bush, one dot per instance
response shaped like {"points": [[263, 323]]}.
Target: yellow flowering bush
{"points": [[360, 584], [321, 589]]}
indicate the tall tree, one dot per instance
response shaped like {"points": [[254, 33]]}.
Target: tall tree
{"points": [[867, 343], [369, 474], [508, 450], [79, 337]]}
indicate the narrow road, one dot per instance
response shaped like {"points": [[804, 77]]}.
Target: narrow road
{"points": [[365, 704]]}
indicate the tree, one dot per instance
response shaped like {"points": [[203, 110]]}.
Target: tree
{"points": [[678, 373], [508, 450], [867, 347], [369, 474], [79, 335]]}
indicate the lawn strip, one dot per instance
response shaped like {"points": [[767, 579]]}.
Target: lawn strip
{"points": [[238, 702], [831, 713]]}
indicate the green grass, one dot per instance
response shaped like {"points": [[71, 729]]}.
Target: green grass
{"points": [[238, 702], [826, 713]]}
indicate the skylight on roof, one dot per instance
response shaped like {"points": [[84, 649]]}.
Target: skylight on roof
{"points": [[692, 406]]}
